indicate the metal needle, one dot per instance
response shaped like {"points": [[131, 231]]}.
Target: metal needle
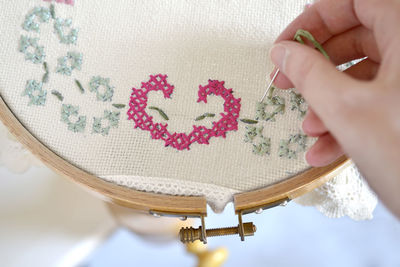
{"points": [[270, 85]]}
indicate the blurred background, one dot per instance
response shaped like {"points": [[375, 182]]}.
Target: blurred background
{"points": [[45, 220]]}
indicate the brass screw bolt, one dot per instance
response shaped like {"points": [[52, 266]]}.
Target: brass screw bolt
{"points": [[190, 234]]}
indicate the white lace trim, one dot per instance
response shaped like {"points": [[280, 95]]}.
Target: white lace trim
{"points": [[13, 154], [346, 194], [217, 196]]}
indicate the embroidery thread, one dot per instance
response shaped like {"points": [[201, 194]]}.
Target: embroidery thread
{"points": [[57, 94], [249, 121], [298, 103], [59, 26], [289, 148], [80, 87], [38, 55], [96, 83], [275, 102], [35, 17], [199, 134], [68, 2], [111, 117], [68, 111], [74, 59], [45, 77], [205, 115], [119, 106], [35, 92], [161, 112]]}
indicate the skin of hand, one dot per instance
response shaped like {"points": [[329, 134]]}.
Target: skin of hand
{"points": [[357, 112]]}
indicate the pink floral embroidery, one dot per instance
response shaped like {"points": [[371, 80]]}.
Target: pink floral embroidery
{"points": [[68, 2], [199, 134]]}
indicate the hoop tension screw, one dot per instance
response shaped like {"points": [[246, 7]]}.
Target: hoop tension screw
{"points": [[190, 234]]}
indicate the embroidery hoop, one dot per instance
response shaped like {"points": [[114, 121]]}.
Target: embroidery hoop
{"points": [[161, 203], [179, 206]]}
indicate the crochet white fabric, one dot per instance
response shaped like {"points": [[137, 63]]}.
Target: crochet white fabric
{"points": [[126, 41], [13, 154], [347, 194]]}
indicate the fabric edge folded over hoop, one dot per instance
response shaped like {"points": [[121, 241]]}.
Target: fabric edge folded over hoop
{"points": [[217, 196]]}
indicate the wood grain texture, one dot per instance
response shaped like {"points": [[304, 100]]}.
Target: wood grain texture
{"points": [[142, 201], [290, 188], [120, 195]]}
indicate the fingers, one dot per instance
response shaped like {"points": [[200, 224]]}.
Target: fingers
{"points": [[364, 70], [353, 44], [382, 17], [323, 19], [281, 81], [356, 43], [325, 151], [318, 80], [312, 124]]}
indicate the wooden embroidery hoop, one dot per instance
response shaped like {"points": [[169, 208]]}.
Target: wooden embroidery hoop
{"points": [[179, 206]]}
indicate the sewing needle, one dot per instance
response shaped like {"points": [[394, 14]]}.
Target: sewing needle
{"points": [[270, 85]]}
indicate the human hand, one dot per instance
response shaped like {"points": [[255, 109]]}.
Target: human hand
{"points": [[356, 112]]}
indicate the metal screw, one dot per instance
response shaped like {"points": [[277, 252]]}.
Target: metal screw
{"points": [[284, 203], [183, 218], [155, 214], [190, 234], [259, 211]]}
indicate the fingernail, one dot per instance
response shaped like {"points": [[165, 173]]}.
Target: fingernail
{"points": [[278, 55]]}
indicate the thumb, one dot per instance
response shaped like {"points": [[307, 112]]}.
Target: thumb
{"points": [[316, 78]]}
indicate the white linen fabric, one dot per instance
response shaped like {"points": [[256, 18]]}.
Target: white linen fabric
{"points": [[126, 41]]}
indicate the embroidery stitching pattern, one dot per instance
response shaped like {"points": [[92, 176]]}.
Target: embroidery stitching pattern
{"points": [[68, 111], [38, 55], [59, 26], [68, 2], [43, 15], [199, 134], [34, 90], [96, 83], [35, 53], [111, 117], [75, 62]]}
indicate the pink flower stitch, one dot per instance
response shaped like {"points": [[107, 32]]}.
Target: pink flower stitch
{"points": [[68, 2], [199, 134]]}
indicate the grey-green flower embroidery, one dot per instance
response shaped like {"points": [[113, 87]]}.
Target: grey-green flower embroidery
{"points": [[59, 26], [263, 147], [289, 148], [112, 119], [277, 104], [298, 103], [36, 54], [35, 92], [108, 91], [35, 17], [73, 60], [261, 144], [250, 134], [67, 113]]}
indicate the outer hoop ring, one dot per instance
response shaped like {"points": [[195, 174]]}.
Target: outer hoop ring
{"points": [[180, 205]]}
